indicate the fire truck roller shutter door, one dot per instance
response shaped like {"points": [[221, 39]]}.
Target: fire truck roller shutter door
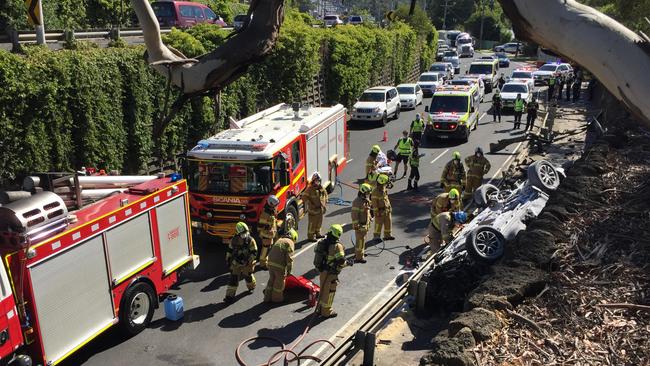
{"points": [[331, 134], [323, 151], [340, 138], [129, 247], [312, 155], [72, 297], [172, 231]]}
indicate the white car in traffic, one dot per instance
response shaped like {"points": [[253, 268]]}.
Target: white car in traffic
{"points": [[377, 104], [452, 58], [523, 76], [477, 80], [429, 82], [544, 73], [410, 95], [510, 90]]}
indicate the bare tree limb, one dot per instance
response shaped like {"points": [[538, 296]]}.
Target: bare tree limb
{"points": [[220, 67], [617, 56]]}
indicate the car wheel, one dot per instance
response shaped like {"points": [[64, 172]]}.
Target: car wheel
{"points": [[384, 119], [543, 175], [483, 193], [397, 112], [485, 244], [137, 308]]}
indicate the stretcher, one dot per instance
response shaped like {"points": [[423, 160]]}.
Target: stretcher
{"points": [[300, 282]]}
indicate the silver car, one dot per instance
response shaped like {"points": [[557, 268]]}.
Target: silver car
{"points": [[503, 213], [452, 58]]}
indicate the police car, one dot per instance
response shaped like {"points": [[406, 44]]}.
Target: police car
{"points": [[453, 112]]}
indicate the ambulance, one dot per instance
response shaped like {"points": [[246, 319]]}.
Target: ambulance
{"points": [[274, 152], [75, 264], [453, 113]]}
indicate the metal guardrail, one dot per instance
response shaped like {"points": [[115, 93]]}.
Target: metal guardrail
{"points": [[60, 36], [351, 345]]}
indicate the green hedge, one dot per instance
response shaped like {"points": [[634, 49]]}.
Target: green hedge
{"points": [[96, 107]]}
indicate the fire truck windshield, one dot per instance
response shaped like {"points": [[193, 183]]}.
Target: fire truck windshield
{"points": [[244, 178]]}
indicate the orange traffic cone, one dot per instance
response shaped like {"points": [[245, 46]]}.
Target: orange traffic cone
{"points": [[385, 136]]}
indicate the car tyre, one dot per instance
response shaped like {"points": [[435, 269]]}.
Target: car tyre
{"points": [[543, 175], [397, 111], [384, 119], [485, 244], [482, 193], [137, 308]]}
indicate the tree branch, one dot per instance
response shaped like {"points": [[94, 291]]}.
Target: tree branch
{"points": [[617, 56], [218, 68]]}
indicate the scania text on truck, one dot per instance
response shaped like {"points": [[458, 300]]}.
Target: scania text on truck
{"points": [[273, 152], [67, 276]]}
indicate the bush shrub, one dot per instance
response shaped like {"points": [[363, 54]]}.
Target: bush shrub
{"points": [[60, 110]]}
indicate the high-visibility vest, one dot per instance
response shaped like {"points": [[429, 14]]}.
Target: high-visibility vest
{"points": [[551, 81], [414, 161], [405, 145], [417, 125], [519, 105]]}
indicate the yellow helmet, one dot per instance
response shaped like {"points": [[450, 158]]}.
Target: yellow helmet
{"points": [[293, 235], [453, 194], [336, 230], [241, 227], [456, 155], [365, 188], [375, 149], [382, 179]]}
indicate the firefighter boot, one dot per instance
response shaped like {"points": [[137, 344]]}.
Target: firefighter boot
{"points": [[415, 185], [409, 186]]}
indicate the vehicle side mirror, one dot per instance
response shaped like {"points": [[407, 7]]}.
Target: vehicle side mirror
{"points": [[426, 108]]}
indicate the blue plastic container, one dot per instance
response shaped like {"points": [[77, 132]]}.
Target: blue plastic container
{"points": [[173, 307]]}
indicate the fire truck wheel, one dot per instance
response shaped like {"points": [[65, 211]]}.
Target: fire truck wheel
{"points": [[137, 308], [291, 219]]}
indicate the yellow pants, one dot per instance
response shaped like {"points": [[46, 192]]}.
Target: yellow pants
{"points": [[328, 283], [314, 226], [264, 251], [360, 247], [274, 291], [384, 221], [435, 239], [237, 273], [471, 184]]}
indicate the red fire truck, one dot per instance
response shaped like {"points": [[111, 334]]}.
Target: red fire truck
{"points": [[272, 152], [67, 276]]}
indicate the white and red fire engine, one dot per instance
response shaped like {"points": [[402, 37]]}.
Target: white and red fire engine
{"points": [[232, 174], [67, 276]]}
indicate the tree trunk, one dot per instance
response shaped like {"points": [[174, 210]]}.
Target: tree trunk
{"points": [[617, 56], [218, 68]]}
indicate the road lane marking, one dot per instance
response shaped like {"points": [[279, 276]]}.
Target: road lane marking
{"points": [[439, 156], [363, 311], [304, 249], [481, 117], [350, 160]]}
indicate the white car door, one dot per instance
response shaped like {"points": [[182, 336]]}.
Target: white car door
{"points": [[389, 104], [395, 98], [419, 95]]}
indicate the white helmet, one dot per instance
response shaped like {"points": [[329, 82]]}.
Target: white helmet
{"points": [[315, 176], [273, 201]]}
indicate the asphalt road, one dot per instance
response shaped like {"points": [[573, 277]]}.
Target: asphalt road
{"points": [[211, 330]]}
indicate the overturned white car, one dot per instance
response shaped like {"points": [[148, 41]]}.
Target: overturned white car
{"points": [[502, 213]]}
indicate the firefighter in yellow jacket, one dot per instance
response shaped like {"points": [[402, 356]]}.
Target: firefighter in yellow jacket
{"points": [[315, 198], [371, 160], [280, 266], [361, 221], [382, 208], [477, 167], [445, 202], [329, 259], [453, 176], [441, 228], [267, 227], [240, 256]]}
